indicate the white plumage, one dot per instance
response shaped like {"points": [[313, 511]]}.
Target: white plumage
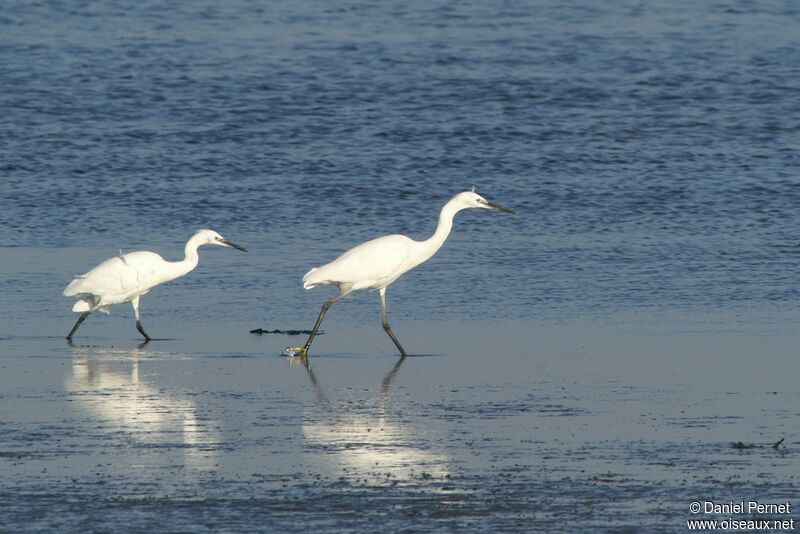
{"points": [[371, 265], [117, 280], [377, 263], [127, 277]]}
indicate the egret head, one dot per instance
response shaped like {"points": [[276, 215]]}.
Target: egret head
{"points": [[471, 199], [210, 237]]}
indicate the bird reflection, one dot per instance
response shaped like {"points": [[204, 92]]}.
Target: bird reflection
{"points": [[106, 383], [370, 443]]}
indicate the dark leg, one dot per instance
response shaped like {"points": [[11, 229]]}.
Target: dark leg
{"points": [[82, 318], [385, 321], [135, 304], [141, 331], [322, 312], [343, 292]]}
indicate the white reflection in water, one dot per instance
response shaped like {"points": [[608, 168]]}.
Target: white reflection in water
{"points": [[106, 383], [372, 445]]}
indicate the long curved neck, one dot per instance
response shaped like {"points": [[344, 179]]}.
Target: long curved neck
{"points": [[430, 246], [189, 261], [190, 257]]}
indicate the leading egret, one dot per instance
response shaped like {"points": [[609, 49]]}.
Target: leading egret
{"points": [[377, 263], [127, 277]]}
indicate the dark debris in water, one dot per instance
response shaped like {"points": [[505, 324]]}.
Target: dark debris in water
{"points": [[742, 445], [260, 331]]}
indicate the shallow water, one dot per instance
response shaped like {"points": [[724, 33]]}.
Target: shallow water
{"points": [[553, 428], [584, 366]]}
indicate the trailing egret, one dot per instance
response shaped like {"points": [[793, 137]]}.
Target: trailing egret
{"points": [[129, 276], [377, 263]]}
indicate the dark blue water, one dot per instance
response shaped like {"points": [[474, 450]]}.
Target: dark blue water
{"points": [[651, 149]]}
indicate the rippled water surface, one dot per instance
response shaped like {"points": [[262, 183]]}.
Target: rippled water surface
{"points": [[584, 366]]}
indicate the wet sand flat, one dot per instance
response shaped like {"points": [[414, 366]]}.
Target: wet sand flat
{"points": [[558, 427]]}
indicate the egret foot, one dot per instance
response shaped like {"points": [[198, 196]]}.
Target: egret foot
{"points": [[296, 352]]}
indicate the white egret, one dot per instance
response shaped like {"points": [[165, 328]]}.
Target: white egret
{"points": [[377, 263], [127, 277]]}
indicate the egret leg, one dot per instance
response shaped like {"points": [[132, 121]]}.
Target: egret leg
{"points": [[328, 303], [135, 304], [385, 321], [82, 318]]}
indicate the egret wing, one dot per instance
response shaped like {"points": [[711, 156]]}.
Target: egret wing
{"points": [[118, 278], [373, 263]]}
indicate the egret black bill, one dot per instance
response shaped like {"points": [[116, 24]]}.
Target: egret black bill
{"points": [[498, 207], [232, 245]]}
